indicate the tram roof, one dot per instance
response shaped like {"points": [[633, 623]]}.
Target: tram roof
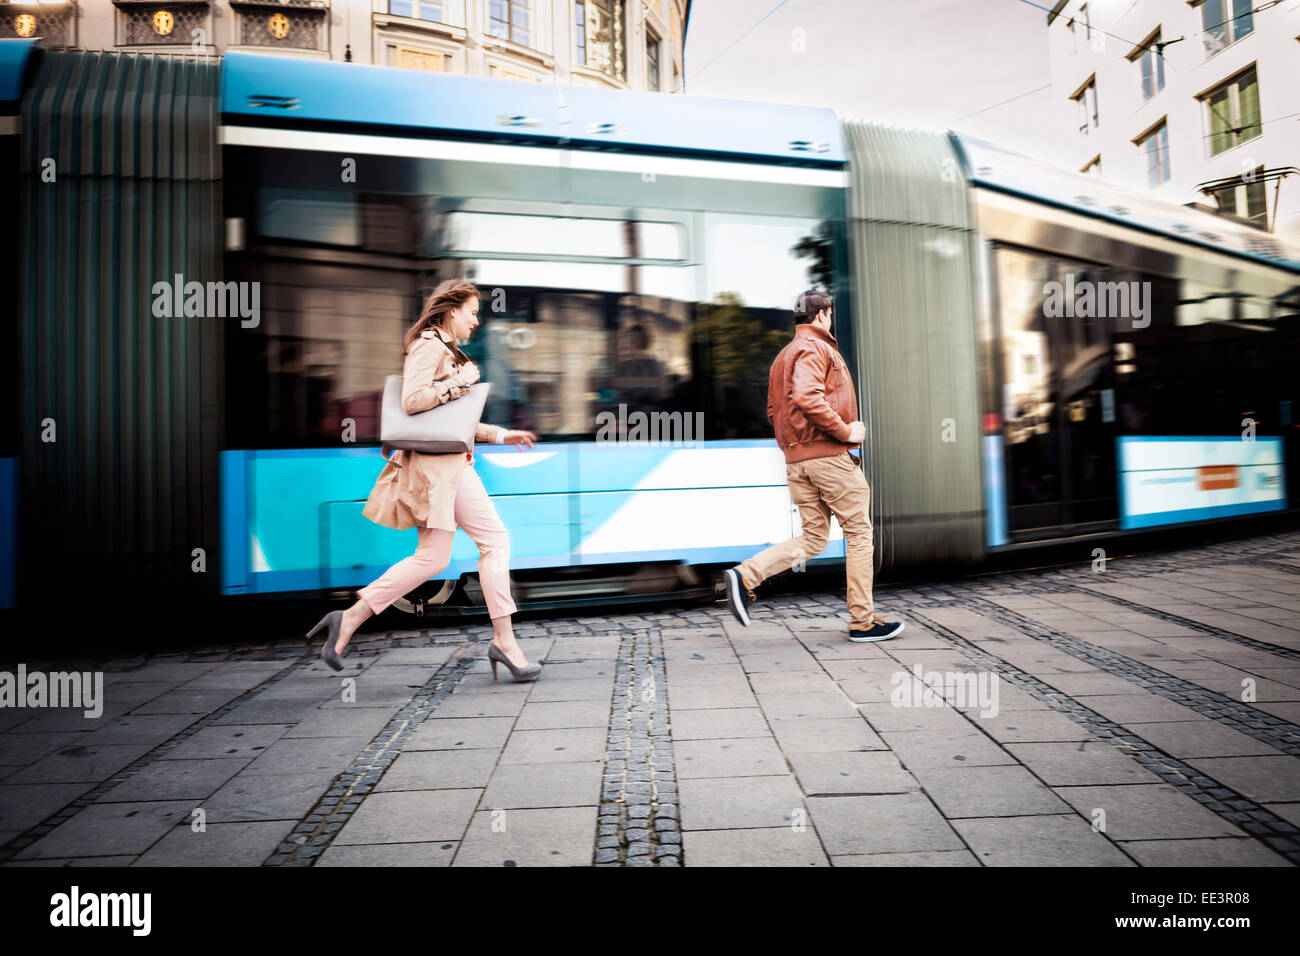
{"points": [[279, 91], [999, 169]]}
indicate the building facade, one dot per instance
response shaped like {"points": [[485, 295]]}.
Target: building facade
{"points": [[624, 44], [1193, 101]]}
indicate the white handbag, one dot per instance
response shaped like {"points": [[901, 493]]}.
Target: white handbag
{"points": [[440, 430]]}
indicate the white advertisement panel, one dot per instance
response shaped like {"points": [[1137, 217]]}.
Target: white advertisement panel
{"points": [[1171, 480]]}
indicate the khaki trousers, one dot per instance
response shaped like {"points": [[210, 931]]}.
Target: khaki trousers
{"points": [[820, 487]]}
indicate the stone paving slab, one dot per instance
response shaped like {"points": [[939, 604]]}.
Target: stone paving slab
{"points": [[889, 823], [25, 805], [1080, 764], [1264, 779], [78, 763], [851, 773], [222, 844], [772, 846], [921, 748], [411, 816], [550, 837], [177, 780], [729, 757], [440, 769], [718, 803], [281, 796], [988, 792], [390, 854], [913, 858], [1202, 737], [1146, 812], [532, 786], [111, 829], [461, 733], [570, 745], [1209, 853], [557, 715], [1039, 841], [710, 724], [819, 734]]}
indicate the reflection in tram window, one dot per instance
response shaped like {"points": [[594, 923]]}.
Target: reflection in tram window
{"points": [[582, 312], [1057, 370], [1173, 379], [756, 267]]}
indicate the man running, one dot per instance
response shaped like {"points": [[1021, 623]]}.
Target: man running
{"points": [[813, 409]]}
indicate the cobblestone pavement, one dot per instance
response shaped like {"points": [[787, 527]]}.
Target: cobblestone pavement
{"points": [[1144, 715]]}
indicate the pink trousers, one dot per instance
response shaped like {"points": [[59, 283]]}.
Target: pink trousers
{"points": [[477, 516]]}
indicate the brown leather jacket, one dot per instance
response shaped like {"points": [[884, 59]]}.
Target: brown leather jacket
{"points": [[810, 397]]}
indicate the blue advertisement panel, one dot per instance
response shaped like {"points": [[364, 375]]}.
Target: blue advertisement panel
{"points": [[1172, 480], [291, 518]]}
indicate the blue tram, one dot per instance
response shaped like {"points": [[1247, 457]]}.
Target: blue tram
{"points": [[214, 264]]}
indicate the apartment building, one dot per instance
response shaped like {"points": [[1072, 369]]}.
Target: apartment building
{"points": [[1193, 101]]}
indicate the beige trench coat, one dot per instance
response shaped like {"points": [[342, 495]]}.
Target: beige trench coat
{"points": [[414, 489]]}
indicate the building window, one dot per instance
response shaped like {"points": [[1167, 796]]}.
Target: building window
{"points": [[1152, 64], [599, 28], [1087, 100], [1156, 145], [270, 24], [418, 9], [414, 59], [1222, 27], [1093, 168], [509, 19], [50, 23], [163, 24], [1248, 200], [652, 61], [1233, 112], [1082, 24]]}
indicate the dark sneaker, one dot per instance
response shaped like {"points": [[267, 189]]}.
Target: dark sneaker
{"points": [[738, 596], [879, 631]]}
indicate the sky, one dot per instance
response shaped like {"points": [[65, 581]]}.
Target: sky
{"points": [[920, 63]]}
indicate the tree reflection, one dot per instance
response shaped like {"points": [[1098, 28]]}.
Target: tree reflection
{"points": [[739, 348], [817, 247]]}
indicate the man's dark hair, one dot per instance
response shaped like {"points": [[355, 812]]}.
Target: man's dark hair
{"points": [[809, 304]]}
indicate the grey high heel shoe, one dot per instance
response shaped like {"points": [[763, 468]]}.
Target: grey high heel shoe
{"points": [[518, 673], [328, 653]]}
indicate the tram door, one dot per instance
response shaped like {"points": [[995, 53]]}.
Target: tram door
{"points": [[1059, 416]]}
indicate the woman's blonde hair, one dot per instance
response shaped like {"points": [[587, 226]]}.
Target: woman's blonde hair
{"points": [[449, 295]]}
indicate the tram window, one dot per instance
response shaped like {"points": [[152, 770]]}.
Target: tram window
{"points": [[755, 267], [327, 337], [559, 359], [580, 314], [1211, 357]]}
